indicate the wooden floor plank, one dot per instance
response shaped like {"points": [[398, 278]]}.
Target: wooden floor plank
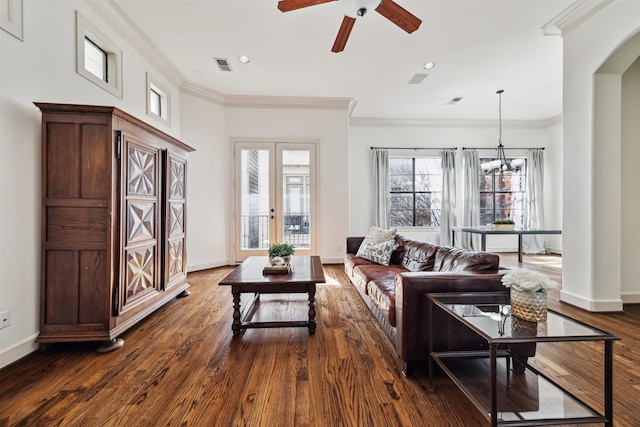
{"points": [[183, 367]]}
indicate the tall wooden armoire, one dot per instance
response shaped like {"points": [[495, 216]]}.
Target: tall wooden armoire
{"points": [[113, 222]]}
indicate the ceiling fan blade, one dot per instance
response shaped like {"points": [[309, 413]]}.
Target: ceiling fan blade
{"points": [[288, 5], [399, 16], [343, 34]]}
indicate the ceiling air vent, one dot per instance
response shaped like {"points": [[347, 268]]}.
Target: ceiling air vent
{"points": [[223, 64], [454, 101], [417, 79]]}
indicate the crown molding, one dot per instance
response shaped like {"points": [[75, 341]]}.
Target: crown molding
{"points": [[315, 103], [127, 28], [469, 124], [203, 92], [573, 16]]}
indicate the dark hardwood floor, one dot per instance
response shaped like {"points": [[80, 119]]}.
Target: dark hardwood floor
{"points": [[181, 367]]}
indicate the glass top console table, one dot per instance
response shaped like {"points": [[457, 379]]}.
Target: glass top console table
{"points": [[530, 398], [484, 230]]}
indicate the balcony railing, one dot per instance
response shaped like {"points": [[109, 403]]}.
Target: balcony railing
{"points": [[255, 231]]}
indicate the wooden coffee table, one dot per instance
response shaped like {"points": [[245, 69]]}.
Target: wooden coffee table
{"points": [[248, 277]]}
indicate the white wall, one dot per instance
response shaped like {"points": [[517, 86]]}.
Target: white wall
{"points": [[630, 225], [592, 147], [42, 68], [208, 182], [482, 135], [330, 128]]}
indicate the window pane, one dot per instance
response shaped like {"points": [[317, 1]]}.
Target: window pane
{"points": [[486, 216], [486, 183], [155, 102], [428, 210], [428, 175], [400, 174], [401, 210], [95, 60], [510, 182], [486, 201]]}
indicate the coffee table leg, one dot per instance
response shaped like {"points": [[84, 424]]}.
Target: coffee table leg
{"points": [[312, 309], [235, 326]]}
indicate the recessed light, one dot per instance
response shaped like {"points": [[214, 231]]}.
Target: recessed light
{"points": [[429, 65], [244, 59]]}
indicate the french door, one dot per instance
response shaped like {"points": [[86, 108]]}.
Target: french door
{"points": [[274, 197]]}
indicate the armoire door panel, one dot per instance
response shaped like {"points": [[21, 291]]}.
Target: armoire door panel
{"points": [[94, 161], [141, 171], [140, 240], [76, 224], [176, 219], [175, 256], [60, 149], [140, 277], [176, 179], [93, 298], [141, 222], [61, 290]]}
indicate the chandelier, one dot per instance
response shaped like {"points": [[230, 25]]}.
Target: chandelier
{"points": [[500, 163]]}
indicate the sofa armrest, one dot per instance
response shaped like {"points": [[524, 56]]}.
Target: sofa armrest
{"points": [[412, 323], [353, 244]]}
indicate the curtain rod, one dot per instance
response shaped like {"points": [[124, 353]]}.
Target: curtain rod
{"points": [[510, 148], [413, 148]]}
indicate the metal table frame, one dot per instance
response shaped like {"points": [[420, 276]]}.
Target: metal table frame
{"points": [[483, 231]]}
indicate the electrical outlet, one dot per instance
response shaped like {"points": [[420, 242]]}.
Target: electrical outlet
{"points": [[5, 319]]}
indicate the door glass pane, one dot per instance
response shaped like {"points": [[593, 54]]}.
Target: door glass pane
{"points": [[295, 202], [254, 228]]}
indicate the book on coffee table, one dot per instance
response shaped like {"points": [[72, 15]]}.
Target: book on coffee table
{"points": [[277, 269]]}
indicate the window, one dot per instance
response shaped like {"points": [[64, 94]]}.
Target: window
{"points": [[415, 185], [502, 195], [158, 101], [95, 60], [98, 58]]}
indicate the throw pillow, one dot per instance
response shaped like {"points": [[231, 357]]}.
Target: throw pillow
{"points": [[380, 235], [380, 253]]}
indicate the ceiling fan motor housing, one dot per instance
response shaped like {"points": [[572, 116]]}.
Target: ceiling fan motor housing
{"points": [[358, 8]]}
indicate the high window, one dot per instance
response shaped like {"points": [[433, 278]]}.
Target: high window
{"points": [[158, 100], [98, 59], [415, 185], [502, 195]]}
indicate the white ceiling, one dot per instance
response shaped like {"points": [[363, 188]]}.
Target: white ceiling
{"points": [[479, 46]]}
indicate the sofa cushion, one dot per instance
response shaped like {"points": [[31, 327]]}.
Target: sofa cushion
{"points": [[382, 293], [418, 256], [457, 259], [377, 252]]}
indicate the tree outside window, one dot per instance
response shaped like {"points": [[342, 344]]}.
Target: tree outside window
{"points": [[416, 189], [502, 195]]}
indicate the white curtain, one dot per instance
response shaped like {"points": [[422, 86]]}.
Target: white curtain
{"points": [[471, 194], [448, 205], [381, 186], [534, 205]]}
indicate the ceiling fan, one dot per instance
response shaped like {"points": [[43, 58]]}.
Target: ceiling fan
{"points": [[356, 9]]}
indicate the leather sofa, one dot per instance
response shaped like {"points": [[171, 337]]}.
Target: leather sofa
{"points": [[396, 294]]}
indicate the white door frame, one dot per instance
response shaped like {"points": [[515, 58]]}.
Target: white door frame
{"points": [[276, 188]]}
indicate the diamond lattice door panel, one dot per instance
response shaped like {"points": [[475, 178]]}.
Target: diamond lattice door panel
{"points": [[141, 266], [176, 198]]}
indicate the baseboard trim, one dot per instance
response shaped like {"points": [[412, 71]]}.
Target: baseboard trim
{"points": [[18, 350], [207, 265], [600, 306], [630, 297]]}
